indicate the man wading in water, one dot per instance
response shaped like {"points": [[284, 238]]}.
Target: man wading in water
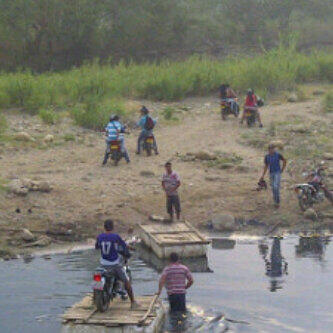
{"points": [[272, 161], [170, 184], [176, 278]]}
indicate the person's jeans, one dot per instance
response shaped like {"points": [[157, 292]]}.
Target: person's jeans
{"points": [[233, 104], [142, 137], [177, 302], [275, 178]]}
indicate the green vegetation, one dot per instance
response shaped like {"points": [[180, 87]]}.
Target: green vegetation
{"points": [[92, 92], [48, 116], [3, 123], [59, 34], [328, 102]]}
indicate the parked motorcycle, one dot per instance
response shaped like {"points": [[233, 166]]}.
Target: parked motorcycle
{"points": [[148, 144], [107, 287], [226, 109], [314, 191]]}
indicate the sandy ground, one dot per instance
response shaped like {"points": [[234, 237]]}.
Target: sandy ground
{"points": [[85, 193]]}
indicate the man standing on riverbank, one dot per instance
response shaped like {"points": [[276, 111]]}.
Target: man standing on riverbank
{"points": [[176, 278], [170, 184], [272, 161]]}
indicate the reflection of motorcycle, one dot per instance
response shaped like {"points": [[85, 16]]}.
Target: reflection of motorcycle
{"points": [[226, 109], [107, 287], [312, 192], [312, 246]]}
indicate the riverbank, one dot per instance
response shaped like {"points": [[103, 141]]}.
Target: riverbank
{"points": [[219, 164]]}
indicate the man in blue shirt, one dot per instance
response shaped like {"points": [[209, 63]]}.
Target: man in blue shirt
{"points": [[115, 132], [110, 245], [145, 132], [272, 161]]}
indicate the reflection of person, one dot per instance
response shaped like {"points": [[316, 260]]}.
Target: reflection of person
{"points": [[276, 266], [176, 278]]}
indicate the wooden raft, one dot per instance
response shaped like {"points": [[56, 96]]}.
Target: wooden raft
{"points": [[118, 314], [182, 238]]}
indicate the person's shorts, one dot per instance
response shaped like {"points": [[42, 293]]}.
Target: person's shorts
{"points": [[118, 271], [177, 302], [173, 201]]}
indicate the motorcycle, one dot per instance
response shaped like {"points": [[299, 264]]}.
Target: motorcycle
{"points": [[251, 113], [114, 152], [313, 192], [148, 144], [226, 109], [107, 287]]}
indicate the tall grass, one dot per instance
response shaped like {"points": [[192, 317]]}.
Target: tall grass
{"points": [[93, 91]]}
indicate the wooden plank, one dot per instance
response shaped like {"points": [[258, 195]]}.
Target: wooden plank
{"points": [[197, 231], [152, 304]]}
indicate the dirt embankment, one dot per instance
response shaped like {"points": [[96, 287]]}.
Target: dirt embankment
{"points": [[219, 164]]}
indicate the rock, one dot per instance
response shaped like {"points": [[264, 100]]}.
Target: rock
{"points": [[41, 186], [292, 98], [318, 92], [48, 138], [226, 165], [328, 156], [311, 214], [28, 236], [41, 242], [242, 168], [156, 218], [147, 173], [224, 222], [23, 136], [17, 187]]}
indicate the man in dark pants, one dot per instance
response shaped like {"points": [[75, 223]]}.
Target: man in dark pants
{"points": [[272, 162], [170, 184], [176, 278]]}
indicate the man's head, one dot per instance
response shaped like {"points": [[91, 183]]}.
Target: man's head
{"points": [[174, 257], [108, 225], [271, 148], [144, 110], [168, 167]]}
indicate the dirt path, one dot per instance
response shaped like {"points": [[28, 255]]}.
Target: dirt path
{"points": [[85, 192]]}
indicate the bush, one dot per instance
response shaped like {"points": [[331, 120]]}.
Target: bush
{"points": [[3, 123], [168, 113], [328, 102], [48, 116]]}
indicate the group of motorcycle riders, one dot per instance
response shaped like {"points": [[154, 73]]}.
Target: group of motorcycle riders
{"points": [[115, 129], [177, 276]]}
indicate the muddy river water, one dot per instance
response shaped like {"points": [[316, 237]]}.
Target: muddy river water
{"points": [[271, 285]]}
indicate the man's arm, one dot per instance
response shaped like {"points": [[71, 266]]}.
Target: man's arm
{"points": [[97, 244], [284, 161], [265, 169], [190, 280]]}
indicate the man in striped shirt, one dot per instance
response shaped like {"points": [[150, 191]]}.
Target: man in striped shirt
{"points": [[176, 278]]}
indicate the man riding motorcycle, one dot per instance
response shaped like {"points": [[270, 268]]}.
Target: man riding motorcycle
{"points": [[109, 243], [229, 96], [251, 104], [115, 132], [147, 124]]}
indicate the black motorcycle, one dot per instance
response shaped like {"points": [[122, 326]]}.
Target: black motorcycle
{"points": [[107, 287]]}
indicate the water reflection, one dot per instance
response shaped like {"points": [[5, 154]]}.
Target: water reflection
{"points": [[276, 266], [313, 246]]}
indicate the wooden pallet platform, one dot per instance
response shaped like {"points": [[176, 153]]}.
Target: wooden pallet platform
{"points": [[182, 238], [118, 314]]}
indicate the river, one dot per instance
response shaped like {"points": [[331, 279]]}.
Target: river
{"points": [[271, 285]]}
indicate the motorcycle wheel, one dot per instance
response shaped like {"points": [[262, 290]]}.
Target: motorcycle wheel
{"points": [[224, 114], [250, 121], [303, 202], [148, 149], [101, 300], [116, 158]]}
